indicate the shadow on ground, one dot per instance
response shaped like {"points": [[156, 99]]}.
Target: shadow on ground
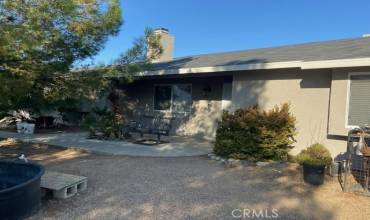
{"points": [[186, 188]]}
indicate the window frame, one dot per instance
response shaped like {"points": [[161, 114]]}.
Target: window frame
{"points": [[172, 85], [349, 79]]}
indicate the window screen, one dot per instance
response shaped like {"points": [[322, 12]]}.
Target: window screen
{"points": [[359, 101], [181, 100], [162, 98], [177, 97]]}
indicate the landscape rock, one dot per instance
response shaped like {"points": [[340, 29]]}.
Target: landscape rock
{"points": [[262, 163], [222, 161], [233, 162]]}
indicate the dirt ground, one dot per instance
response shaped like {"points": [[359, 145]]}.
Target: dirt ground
{"points": [[185, 188]]}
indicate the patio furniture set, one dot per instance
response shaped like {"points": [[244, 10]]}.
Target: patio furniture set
{"points": [[153, 125], [145, 125]]}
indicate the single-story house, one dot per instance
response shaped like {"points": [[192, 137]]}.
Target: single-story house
{"points": [[326, 83]]}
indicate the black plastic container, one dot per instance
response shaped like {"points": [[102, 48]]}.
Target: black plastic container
{"points": [[19, 189], [314, 174]]}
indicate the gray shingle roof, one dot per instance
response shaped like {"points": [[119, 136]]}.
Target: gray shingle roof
{"points": [[328, 50]]}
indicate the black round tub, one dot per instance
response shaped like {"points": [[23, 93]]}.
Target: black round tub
{"points": [[19, 189]]}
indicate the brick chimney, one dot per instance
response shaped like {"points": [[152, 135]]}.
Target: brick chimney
{"points": [[167, 42]]}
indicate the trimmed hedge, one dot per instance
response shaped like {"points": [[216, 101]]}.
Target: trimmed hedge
{"points": [[256, 134]]}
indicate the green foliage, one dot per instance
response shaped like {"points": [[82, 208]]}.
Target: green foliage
{"points": [[316, 154], [103, 121], [43, 35], [41, 40], [18, 116], [144, 49], [252, 133]]}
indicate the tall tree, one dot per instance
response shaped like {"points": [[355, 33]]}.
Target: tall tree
{"points": [[135, 59], [40, 40]]}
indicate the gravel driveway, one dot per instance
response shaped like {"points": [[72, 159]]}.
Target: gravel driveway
{"points": [[195, 188], [187, 188]]}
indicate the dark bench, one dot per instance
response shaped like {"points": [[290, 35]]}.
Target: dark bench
{"points": [[151, 125]]}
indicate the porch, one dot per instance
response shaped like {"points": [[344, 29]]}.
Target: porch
{"points": [[175, 146], [192, 104]]}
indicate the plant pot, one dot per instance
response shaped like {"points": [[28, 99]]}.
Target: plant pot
{"points": [[20, 127], [25, 128], [30, 128], [314, 174]]}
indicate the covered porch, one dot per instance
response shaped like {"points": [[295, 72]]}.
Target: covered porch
{"points": [[193, 103]]}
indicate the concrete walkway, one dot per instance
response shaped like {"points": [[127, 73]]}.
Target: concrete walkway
{"points": [[177, 146]]}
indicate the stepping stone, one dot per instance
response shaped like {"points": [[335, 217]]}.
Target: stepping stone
{"points": [[63, 185]]}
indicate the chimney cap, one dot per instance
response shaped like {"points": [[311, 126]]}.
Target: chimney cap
{"points": [[162, 29]]}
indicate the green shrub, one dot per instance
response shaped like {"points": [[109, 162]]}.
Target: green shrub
{"points": [[252, 133], [103, 121], [316, 154]]}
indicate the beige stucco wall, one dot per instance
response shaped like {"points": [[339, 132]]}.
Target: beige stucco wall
{"points": [[206, 109], [318, 100], [338, 99], [308, 92]]}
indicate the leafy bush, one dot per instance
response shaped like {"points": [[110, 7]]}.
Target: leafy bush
{"points": [[17, 116], [316, 154], [105, 122], [252, 133]]}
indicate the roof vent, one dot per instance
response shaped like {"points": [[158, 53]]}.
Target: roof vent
{"points": [[366, 35]]}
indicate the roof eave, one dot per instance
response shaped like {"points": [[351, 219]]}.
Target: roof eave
{"points": [[338, 63], [320, 64]]}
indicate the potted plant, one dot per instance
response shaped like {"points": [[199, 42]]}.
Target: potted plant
{"points": [[314, 160], [24, 121]]}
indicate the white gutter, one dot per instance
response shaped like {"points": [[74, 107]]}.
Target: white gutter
{"points": [[336, 63], [212, 69], [264, 66]]}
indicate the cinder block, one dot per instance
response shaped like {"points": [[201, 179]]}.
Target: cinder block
{"points": [[63, 185], [82, 186], [66, 192], [43, 192]]}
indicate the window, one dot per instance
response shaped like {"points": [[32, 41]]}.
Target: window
{"points": [[175, 98], [359, 100], [181, 98], [162, 97]]}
